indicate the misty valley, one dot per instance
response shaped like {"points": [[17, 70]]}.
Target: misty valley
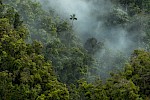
{"points": [[75, 50]]}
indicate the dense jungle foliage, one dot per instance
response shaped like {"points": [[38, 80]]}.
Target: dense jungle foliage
{"points": [[42, 58]]}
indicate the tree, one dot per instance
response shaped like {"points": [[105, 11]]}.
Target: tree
{"points": [[1, 2], [118, 88], [88, 91], [24, 73], [92, 45], [117, 17], [73, 17], [138, 71]]}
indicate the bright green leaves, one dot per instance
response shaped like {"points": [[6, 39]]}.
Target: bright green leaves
{"points": [[139, 71], [24, 73], [132, 84], [57, 93], [37, 47], [118, 88], [88, 91], [4, 26], [69, 59]]}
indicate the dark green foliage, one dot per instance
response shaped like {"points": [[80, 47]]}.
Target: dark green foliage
{"points": [[86, 91], [60, 43], [70, 63], [134, 6], [33, 71], [17, 21], [1, 2], [139, 71], [117, 17], [24, 73], [119, 88], [92, 45]]}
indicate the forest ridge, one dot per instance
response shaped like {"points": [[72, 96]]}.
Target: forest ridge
{"points": [[43, 57]]}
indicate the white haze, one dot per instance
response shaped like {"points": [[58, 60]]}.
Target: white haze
{"points": [[90, 24]]}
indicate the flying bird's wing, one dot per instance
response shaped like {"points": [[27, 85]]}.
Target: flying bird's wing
{"points": [[71, 18]]}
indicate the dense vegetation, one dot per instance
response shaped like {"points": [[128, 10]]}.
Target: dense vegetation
{"points": [[41, 57]]}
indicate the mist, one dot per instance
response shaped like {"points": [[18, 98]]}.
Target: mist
{"points": [[118, 45]]}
